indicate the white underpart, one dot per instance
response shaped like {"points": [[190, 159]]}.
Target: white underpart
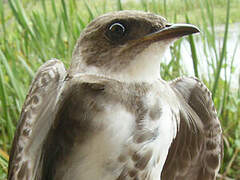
{"points": [[167, 127]]}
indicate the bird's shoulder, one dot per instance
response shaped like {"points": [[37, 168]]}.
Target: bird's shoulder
{"points": [[197, 96]]}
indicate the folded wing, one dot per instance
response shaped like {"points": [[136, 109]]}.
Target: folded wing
{"points": [[36, 118], [196, 152]]}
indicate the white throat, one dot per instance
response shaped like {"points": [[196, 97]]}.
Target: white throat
{"points": [[145, 67]]}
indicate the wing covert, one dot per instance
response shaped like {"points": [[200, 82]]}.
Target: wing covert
{"points": [[37, 115]]}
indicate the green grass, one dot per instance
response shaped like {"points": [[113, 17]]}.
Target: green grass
{"points": [[32, 32]]}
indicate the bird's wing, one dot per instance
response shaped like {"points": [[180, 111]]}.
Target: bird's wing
{"points": [[195, 153], [37, 115]]}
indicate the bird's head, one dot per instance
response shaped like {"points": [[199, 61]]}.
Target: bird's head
{"points": [[126, 45]]}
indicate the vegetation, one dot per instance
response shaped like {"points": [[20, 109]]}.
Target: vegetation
{"points": [[32, 32]]}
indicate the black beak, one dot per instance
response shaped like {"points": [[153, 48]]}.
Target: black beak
{"points": [[173, 31]]}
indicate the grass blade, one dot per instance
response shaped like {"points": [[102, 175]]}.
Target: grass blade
{"points": [[119, 5], [223, 53], [193, 52]]}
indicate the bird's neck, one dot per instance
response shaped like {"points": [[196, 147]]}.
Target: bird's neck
{"points": [[140, 70], [137, 71], [145, 67]]}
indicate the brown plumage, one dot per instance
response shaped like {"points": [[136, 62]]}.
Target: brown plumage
{"points": [[111, 116]]}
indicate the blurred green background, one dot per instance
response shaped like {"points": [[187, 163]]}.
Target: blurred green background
{"points": [[33, 31]]}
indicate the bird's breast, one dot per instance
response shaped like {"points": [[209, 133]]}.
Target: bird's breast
{"points": [[117, 125]]}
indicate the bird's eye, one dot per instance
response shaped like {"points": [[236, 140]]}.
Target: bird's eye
{"points": [[116, 32]]}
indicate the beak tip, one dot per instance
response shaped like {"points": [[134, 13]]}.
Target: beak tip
{"points": [[185, 29], [196, 30]]}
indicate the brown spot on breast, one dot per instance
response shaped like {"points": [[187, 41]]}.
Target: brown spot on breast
{"points": [[145, 136], [122, 158], [141, 112], [136, 156], [155, 112], [142, 163], [132, 173]]}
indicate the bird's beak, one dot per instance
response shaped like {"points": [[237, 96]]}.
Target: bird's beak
{"points": [[173, 31], [170, 32]]}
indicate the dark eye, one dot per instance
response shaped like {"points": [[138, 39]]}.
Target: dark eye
{"points": [[116, 31]]}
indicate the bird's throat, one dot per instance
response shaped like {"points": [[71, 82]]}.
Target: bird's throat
{"points": [[144, 67]]}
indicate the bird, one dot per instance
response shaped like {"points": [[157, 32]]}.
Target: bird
{"points": [[110, 116]]}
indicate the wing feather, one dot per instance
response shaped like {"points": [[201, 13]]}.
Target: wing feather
{"points": [[36, 118], [195, 155]]}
